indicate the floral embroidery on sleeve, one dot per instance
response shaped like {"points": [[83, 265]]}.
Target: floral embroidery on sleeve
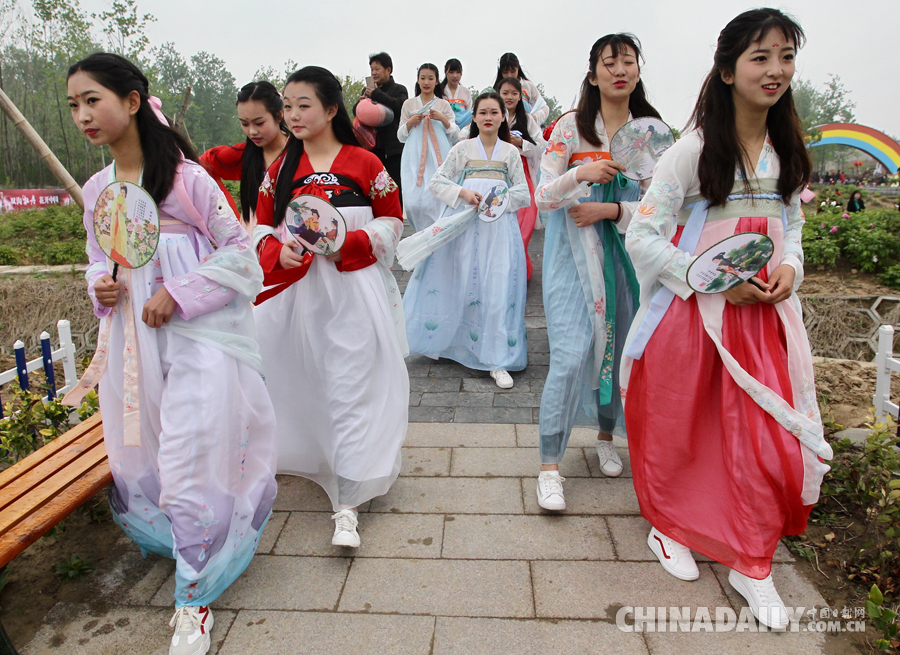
{"points": [[382, 186]]}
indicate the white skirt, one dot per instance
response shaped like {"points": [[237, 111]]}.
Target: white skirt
{"points": [[337, 378]]}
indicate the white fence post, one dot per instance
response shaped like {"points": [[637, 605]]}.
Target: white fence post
{"points": [[65, 342], [884, 363]]}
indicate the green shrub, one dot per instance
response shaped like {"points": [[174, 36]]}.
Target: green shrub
{"points": [[52, 235], [9, 256], [891, 277]]}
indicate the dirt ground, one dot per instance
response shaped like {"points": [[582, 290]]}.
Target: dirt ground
{"points": [[845, 389], [842, 281]]}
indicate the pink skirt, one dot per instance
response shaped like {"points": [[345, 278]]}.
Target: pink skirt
{"points": [[712, 470]]}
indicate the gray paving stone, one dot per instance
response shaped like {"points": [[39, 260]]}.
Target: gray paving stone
{"points": [[441, 587], [535, 322], [270, 534], [533, 372], [492, 414], [511, 462], [142, 590], [765, 643], [325, 633], [436, 385], [425, 462], [71, 629], [527, 538], [451, 496], [279, 583], [595, 590], [415, 399], [629, 534], [539, 358], [488, 385], [308, 534], [588, 496], [297, 494], [517, 400], [467, 636], [450, 369], [590, 454], [452, 435], [431, 414]]}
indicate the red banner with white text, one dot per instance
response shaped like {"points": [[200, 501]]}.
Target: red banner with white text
{"points": [[16, 199]]}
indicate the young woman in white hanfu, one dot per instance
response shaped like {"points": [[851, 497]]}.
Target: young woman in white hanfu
{"points": [[535, 104], [187, 422], [724, 430], [332, 337], [590, 291], [525, 135], [428, 128], [466, 301], [459, 96]]}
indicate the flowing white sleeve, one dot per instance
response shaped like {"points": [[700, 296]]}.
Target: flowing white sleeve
{"points": [[443, 185], [405, 113], [793, 239], [533, 151], [558, 187], [540, 109], [519, 196], [629, 207], [648, 238]]}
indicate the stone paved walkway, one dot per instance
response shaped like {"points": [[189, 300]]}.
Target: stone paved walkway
{"points": [[456, 559]]}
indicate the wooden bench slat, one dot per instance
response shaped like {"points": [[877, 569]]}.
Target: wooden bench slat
{"points": [[48, 450], [40, 522], [34, 477], [54, 486]]}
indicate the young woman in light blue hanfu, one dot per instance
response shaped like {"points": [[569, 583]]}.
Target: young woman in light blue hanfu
{"points": [[590, 290], [428, 128], [466, 299]]}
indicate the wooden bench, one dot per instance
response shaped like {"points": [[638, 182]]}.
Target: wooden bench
{"points": [[45, 487]]}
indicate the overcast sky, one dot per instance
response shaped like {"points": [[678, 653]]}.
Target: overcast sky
{"points": [[552, 38]]}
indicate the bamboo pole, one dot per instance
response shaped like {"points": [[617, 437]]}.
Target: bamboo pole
{"points": [[42, 148]]}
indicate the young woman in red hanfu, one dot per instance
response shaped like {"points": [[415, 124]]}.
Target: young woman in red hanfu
{"points": [[723, 427], [260, 112], [332, 332]]}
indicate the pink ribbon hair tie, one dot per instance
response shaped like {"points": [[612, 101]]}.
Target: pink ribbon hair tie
{"points": [[156, 106]]}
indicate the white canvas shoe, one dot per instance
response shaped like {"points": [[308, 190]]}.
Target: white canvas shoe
{"points": [[192, 626], [345, 533], [550, 491], [675, 558], [610, 463], [502, 378], [763, 599]]}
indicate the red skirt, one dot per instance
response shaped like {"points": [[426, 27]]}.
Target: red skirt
{"points": [[527, 218], [712, 470]]}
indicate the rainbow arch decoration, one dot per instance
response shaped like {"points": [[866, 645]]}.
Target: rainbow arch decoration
{"points": [[882, 147]]}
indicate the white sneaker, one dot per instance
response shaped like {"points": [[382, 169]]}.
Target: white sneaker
{"points": [[764, 601], [345, 533], [502, 378], [192, 627], [610, 463], [675, 558], [550, 491]]}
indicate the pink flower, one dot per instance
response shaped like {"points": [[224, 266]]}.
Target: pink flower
{"points": [[845, 215], [834, 229]]}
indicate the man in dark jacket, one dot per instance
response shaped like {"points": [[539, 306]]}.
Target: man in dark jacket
{"points": [[387, 92]]}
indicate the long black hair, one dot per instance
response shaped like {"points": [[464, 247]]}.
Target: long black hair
{"points": [[452, 66], [507, 61], [437, 77], [330, 94], [520, 117], [163, 147], [503, 133], [589, 103], [253, 168], [714, 113]]}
